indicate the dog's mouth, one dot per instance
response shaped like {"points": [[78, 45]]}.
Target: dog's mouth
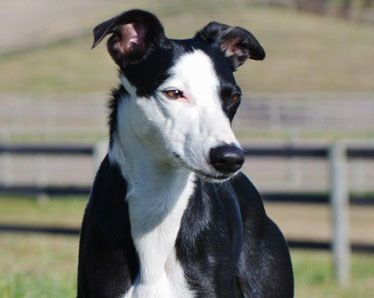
{"points": [[212, 178], [209, 177]]}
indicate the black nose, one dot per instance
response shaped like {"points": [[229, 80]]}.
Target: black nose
{"points": [[227, 159]]}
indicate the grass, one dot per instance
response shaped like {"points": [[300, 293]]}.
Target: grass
{"points": [[315, 279], [45, 266], [39, 265], [66, 211], [304, 52], [36, 266]]}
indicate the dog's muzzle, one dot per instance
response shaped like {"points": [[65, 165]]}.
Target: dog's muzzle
{"points": [[227, 159]]}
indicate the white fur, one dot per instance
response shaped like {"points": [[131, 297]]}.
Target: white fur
{"points": [[198, 124], [158, 194], [151, 132]]}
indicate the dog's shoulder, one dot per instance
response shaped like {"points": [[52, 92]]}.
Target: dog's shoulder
{"points": [[106, 247], [109, 179], [106, 214], [108, 192], [250, 200], [265, 256]]}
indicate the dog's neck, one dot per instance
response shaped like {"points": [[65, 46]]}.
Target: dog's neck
{"points": [[143, 164], [158, 193]]}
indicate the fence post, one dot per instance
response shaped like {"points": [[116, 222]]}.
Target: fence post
{"points": [[99, 152], [339, 200]]}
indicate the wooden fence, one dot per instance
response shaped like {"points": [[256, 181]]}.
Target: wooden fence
{"points": [[337, 155]]}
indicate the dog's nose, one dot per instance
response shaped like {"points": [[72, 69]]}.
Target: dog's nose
{"points": [[227, 159]]}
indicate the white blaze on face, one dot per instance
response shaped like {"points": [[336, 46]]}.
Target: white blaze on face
{"points": [[188, 127], [198, 122]]}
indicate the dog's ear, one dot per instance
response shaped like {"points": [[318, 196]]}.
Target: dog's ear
{"points": [[236, 43], [134, 33]]}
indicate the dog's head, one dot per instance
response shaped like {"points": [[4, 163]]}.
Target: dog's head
{"points": [[182, 93]]}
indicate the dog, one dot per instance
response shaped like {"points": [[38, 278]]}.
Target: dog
{"points": [[170, 215]]}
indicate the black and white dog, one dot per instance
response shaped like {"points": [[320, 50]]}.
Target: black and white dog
{"points": [[170, 215]]}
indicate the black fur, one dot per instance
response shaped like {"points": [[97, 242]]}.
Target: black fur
{"points": [[226, 244], [225, 223], [231, 38], [108, 261]]}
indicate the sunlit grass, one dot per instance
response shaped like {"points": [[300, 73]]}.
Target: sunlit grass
{"points": [[37, 266], [314, 276]]}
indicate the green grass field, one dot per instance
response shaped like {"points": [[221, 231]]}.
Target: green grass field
{"points": [[305, 52], [35, 266]]}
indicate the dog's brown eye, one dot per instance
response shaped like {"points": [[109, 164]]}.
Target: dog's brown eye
{"points": [[235, 97], [173, 94]]}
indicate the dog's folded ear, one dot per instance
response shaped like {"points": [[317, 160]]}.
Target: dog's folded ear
{"points": [[134, 33], [236, 43]]}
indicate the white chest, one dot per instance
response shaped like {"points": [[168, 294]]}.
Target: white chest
{"points": [[155, 218], [157, 197], [171, 283]]}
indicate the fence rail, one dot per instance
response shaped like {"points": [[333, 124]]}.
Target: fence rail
{"points": [[67, 231], [97, 152], [47, 149], [270, 197], [354, 151]]}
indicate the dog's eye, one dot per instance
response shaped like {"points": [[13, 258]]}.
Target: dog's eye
{"points": [[173, 94], [235, 97]]}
